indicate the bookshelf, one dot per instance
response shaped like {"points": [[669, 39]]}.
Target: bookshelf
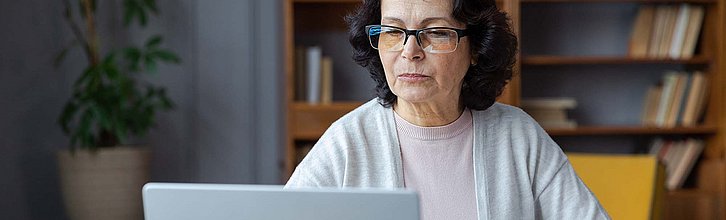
{"points": [[599, 63], [607, 83]]}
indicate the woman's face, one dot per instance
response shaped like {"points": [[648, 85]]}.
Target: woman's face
{"points": [[415, 75]]}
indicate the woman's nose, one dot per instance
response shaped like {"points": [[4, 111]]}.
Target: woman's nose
{"points": [[411, 49]]}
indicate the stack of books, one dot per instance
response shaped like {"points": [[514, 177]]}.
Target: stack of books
{"points": [[679, 157], [666, 31], [313, 75], [550, 112], [679, 99]]}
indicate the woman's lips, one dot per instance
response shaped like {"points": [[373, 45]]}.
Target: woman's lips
{"points": [[412, 77]]}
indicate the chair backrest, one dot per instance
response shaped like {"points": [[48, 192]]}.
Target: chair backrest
{"points": [[627, 186]]}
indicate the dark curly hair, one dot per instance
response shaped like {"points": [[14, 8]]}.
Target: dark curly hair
{"points": [[492, 44]]}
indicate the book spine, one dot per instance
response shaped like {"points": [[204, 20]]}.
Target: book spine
{"points": [[314, 55]]}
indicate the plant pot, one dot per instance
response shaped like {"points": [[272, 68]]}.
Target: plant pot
{"points": [[105, 184]]}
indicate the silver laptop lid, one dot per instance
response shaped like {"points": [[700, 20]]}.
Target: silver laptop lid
{"points": [[184, 201]]}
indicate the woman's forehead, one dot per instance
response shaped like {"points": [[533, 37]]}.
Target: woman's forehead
{"points": [[416, 11], [436, 7]]}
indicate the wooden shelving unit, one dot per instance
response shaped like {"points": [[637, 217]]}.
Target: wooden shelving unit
{"points": [[312, 120], [706, 200]]}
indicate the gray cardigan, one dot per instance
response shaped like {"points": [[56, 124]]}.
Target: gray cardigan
{"points": [[520, 172]]}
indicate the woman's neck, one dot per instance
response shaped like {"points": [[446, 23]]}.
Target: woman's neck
{"points": [[427, 114]]}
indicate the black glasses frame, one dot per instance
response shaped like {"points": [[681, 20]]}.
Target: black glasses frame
{"points": [[415, 32]]}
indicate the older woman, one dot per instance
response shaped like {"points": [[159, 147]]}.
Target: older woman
{"points": [[435, 126]]}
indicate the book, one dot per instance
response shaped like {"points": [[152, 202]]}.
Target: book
{"points": [[679, 33], [326, 90], [314, 56], [300, 76], [549, 103], [547, 114], [655, 146], [666, 97], [550, 112], [674, 152], [693, 30], [640, 34], [692, 99], [702, 100], [659, 26], [650, 105], [675, 102], [691, 150], [671, 15]]}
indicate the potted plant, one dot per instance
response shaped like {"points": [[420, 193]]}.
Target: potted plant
{"points": [[101, 177]]}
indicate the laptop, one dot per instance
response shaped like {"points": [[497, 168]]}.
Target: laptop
{"points": [[195, 201]]}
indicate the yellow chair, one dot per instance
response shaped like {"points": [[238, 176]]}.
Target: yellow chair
{"points": [[627, 186]]}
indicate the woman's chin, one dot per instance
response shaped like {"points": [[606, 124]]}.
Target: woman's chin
{"points": [[414, 97]]}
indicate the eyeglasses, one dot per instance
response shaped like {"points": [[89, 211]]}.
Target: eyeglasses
{"points": [[431, 40]]}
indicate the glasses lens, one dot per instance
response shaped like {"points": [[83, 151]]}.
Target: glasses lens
{"points": [[439, 40], [385, 38]]}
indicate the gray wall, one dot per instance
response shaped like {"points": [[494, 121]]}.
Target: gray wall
{"points": [[227, 124]]}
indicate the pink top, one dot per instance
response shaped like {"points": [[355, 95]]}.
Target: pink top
{"points": [[437, 163]]}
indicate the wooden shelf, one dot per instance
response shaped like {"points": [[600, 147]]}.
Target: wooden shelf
{"points": [[629, 130], [691, 204], [588, 60], [623, 1], [311, 120]]}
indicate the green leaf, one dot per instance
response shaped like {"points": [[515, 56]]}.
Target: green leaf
{"points": [[166, 103], [84, 129], [69, 111], [101, 116], [150, 64], [154, 41], [131, 9], [84, 78], [111, 72], [142, 17], [109, 59], [133, 55]]}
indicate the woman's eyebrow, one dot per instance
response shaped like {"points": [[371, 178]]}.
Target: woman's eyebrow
{"points": [[392, 19], [430, 20]]}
